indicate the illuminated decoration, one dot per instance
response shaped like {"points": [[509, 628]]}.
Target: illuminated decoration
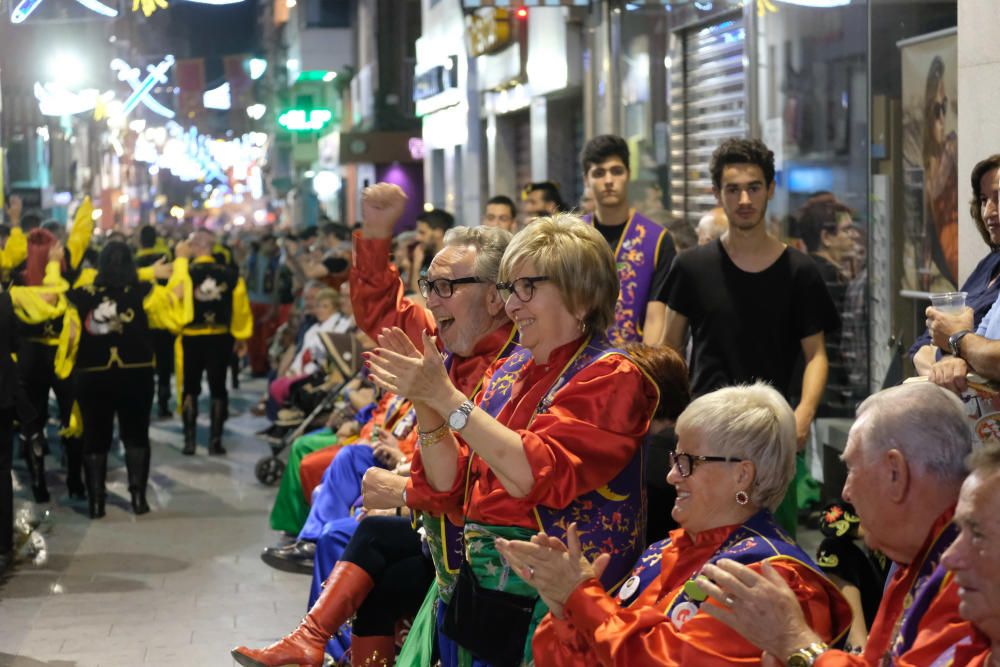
{"points": [[329, 76], [819, 4], [256, 111], [25, 7], [218, 98], [257, 67], [148, 6], [300, 120], [54, 100], [522, 12], [141, 88], [191, 156]]}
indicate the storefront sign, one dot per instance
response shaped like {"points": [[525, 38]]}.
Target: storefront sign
{"points": [[300, 120], [435, 80], [489, 30]]}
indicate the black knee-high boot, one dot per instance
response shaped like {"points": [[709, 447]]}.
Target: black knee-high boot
{"points": [[163, 396], [74, 468], [95, 470], [33, 451], [218, 415], [189, 413], [137, 463]]}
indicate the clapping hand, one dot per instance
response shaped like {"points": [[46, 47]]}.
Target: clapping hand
{"points": [[398, 366], [553, 568]]}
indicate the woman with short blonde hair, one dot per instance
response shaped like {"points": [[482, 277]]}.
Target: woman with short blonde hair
{"points": [[576, 258]]}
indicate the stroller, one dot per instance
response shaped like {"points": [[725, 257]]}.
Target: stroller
{"points": [[345, 363]]}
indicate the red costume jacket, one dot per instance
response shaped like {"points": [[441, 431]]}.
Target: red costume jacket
{"points": [[593, 428], [940, 629], [597, 630], [379, 302]]}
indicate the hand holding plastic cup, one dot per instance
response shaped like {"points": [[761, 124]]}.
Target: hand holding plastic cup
{"points": [[952, 303]]}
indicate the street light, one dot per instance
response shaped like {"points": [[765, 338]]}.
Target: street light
{"points": [[65, 69]]}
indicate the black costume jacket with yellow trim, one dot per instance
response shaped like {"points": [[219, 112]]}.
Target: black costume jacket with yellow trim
{"points": [[106, 327], [215, 303], [216, 299]]}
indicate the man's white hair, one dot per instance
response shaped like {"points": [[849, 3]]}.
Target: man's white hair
{"points": [[926, 423]]}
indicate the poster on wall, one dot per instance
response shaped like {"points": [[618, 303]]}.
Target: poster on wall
{"points": [[930, 161]]}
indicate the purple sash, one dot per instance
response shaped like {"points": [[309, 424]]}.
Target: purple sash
{"points": [[929, 581], [612, 518], [635, 258], [757, 540]]}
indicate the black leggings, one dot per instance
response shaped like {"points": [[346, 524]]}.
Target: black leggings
{"points": [[207, 354], [6, 487], [125, 391], [163, 345], [389, 550], [37, 372]]}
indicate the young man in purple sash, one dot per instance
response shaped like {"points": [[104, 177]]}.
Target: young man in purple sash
{"points": [[643, 249]]}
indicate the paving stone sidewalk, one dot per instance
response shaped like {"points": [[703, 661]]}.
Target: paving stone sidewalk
{"points": [[178, 586]]}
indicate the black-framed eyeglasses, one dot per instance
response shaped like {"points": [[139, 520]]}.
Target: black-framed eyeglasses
{"points": [[524, 288], [443, 287], [685, 463]]}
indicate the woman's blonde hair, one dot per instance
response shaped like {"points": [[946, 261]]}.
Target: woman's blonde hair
{"points": [[577, 260], [752, 422], [329, 295]]}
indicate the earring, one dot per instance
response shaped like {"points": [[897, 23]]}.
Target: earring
{"points": [[742, 497], [583, 325]]}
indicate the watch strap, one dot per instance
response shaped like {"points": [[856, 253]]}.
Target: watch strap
{"points": [[955, 342]]}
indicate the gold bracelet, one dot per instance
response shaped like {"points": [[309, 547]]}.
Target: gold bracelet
{"points": [[429, 438]]}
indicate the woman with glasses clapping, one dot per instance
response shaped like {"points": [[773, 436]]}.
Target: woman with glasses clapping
{"points": [[553, 437], [735, 456]]}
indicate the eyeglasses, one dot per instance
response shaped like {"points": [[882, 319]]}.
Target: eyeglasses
{"points": [[524, 288], [685, 463], [940, 109], [443, 287]]}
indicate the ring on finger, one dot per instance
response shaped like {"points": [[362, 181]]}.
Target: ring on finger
{"points": [[730, 600], [531, 572]]}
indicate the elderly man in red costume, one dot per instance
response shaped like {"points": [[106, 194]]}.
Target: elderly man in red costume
{"points": [[735, 455], [972, 558], [904, 470], [465, 313]]}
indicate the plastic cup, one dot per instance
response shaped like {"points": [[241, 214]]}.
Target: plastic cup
{"points": [[949, 302]]}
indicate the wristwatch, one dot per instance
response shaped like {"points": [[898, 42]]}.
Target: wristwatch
{"points": [[459, 417], [806, 657], [955, 340]]}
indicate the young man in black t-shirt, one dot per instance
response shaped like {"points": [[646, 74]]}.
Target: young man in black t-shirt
{"points": [[751, 302]]}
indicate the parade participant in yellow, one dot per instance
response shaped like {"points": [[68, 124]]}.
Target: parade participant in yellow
{"points": [[218, 318]]}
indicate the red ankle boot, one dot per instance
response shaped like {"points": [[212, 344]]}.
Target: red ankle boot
{"points": [[376, 651], [343, 592]]}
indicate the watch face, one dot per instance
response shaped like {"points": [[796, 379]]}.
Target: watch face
{"points": [[457, 420]]}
